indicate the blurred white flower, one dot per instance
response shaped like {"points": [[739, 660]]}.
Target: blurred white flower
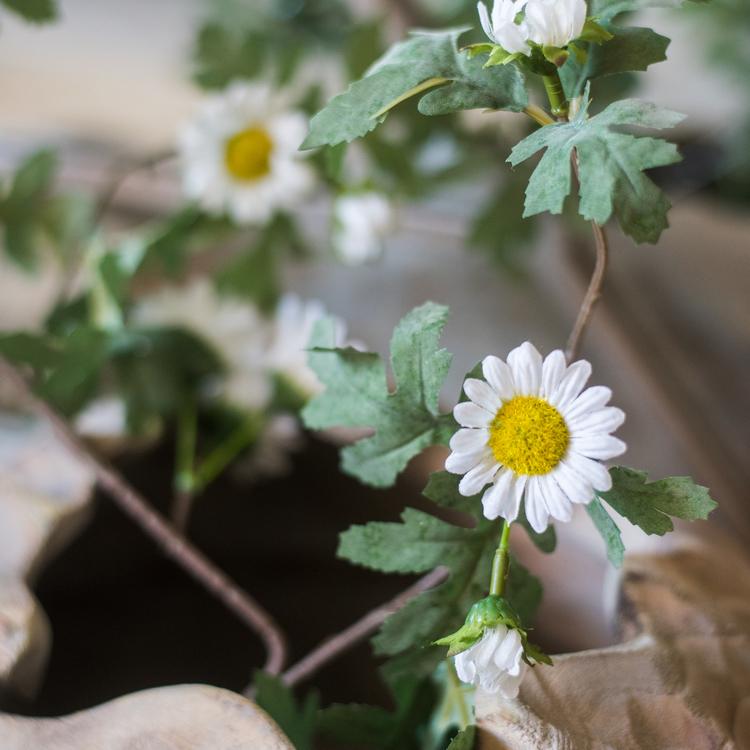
{"points": [[548, 23], [502, 28], [494, 662], [234, 329], [240, 154], [102, 418], [269, 456], [555, 23], [361, 221], [530, 430], [292, 327]]}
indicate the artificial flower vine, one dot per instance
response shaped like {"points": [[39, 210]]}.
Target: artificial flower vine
{"points": [[531, 439]]}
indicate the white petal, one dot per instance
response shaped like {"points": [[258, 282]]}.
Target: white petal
{"points": [[553, 369], [469, 440], [499, 376], [558, 505], [460, 463], [601, 447], [484, 18], [465, 667], [597, 422], [592, 399], [483, 394], [468, 414], [575, 487], [536, 509], [571, 385], [508, 652], [504, 497], [592, 471], [474, 480], [525, 363]]}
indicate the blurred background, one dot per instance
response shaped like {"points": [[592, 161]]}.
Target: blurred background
{"points": [[110, 84]]}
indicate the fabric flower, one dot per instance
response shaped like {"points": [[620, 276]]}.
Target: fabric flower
{"points": [[240, 155], [555, 23], [361, 223], [234, 329], [494, 662], [533, 432], [502, 28]]}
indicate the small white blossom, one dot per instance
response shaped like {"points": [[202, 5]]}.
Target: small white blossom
{"points": [[548, 23], [361, 223], [494, 663], [532, 432], [240, 154]]}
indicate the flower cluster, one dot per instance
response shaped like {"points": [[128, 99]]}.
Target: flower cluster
{"points": [[533, 433]]}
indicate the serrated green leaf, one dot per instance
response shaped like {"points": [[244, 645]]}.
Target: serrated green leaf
{"points": [[609, 531], [405, 421], [423, 61], [297, 720], [611, 166], [649, 505], [464, 740], [356, 725], [36, 11], [631, 49]]}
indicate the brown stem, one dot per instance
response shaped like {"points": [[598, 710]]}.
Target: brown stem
{"points": [[332, 647], [172, 543], [593, 293]]}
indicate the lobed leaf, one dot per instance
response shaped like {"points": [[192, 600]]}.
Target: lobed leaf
{"points": [[609, 531], [405, 421], [651, 505], [423, 62], [611, 166]]}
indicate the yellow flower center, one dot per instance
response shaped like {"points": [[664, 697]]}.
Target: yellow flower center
{"points": [[248, 154], [528, 435]]}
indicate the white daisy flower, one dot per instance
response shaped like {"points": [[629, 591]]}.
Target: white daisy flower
{"points": [[501, 26], [240, 155], [494, 662], [234, 329], [555, 23], [361, 222], [533, 432], [292, 327]]}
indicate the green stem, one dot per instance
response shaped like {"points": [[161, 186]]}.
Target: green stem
{"points": [[223, 455], [185, 449], [455, 690], [556, 95], [500, 563]]}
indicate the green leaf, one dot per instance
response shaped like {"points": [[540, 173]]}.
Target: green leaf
{"points": [[222, 55], [609, 531], [21, 209], [373, 727], [606, 9], [649, 505], [419, 543], [424, 61], [630, 49], [405, 421], [36, 11], [297, 721], [464, 740], [611, 166]]}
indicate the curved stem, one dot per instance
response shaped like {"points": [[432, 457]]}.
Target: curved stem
{"points": [[171, 542], [593, 293], [501, 563]]}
